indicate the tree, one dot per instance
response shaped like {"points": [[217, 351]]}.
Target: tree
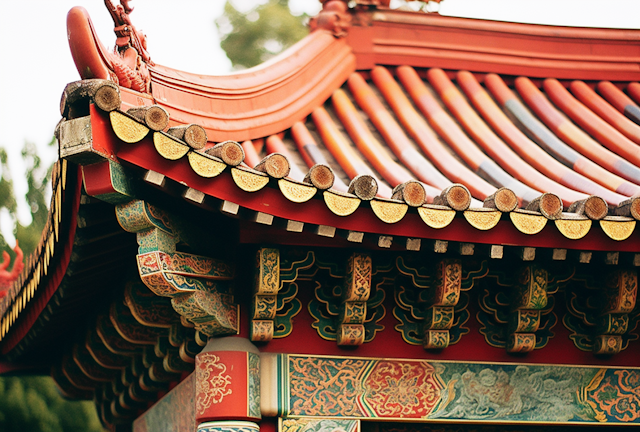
{"points": [[37, 179], [33, 404], [253, 38]]}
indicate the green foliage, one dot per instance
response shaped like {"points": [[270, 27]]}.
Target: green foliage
{"points": [[37, 178], [252, 38], [33, 404]]}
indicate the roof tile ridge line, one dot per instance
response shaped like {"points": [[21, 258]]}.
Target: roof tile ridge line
{"points": [[299, 54], [552, 144], [222, 94], [425, 136], [453, 133], [348, 159], [527, 149], [389, 212], [490, 142], [619, 100], [469, 150], [369, 146], [569, 133], [394, 136], [594, 125], [514, 28], [311, 153], [274, 144], [634, 91], [605, 110], [268, 117]]}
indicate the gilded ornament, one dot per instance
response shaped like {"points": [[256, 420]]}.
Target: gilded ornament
{"points": [[607, 344], [296, 192], [127, 129], [212, 382], [439, 318], [436, 339], [524, 321], [621, 292], [340, 204], [350, 335], [574, 229], [617, 229], [249, 181], [528, 222], [205, 165], [521, 342], [482, 219], [436, 218], [358, 278], [389, 212], [168, 147], [268, 276], [262, 330]]}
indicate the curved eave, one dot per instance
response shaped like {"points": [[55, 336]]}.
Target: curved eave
{"points": [[46, 266], [255, 191], [260, 101], [430, 40], [257, 102]]}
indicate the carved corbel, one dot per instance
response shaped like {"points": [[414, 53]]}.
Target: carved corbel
{"points": [[356, 292], [267, 285], [431, 307], [517, 309], [446, 294], [274, 304], [619, 301], [530, 297], [197, 285], [333, 17], [603, 319]]}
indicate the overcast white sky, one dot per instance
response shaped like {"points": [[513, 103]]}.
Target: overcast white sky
{"points": [[36, 63]]}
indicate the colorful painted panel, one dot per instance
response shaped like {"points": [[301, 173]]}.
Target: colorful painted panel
{"points": [[448, 391]]}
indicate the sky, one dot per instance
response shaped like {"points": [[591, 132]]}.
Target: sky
{"points": [[36, 62]]}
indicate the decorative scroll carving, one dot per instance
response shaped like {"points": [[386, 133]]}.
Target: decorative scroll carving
{"points": [[603, 321], [196, 284], [333, 17], [274, 302], [518, 314], [348, 305], [213, 383], [430, 306], [423, 391], [353, 310], [267, 285], [130, 58], [388, 389]]}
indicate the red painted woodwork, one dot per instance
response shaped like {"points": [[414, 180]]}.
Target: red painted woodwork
{"points": [[49, 285], [270, 200], [389, 343], [254, 103], [396, 38]]}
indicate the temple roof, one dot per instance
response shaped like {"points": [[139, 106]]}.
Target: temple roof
{"points": [[430, 109], [382, 129]]}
